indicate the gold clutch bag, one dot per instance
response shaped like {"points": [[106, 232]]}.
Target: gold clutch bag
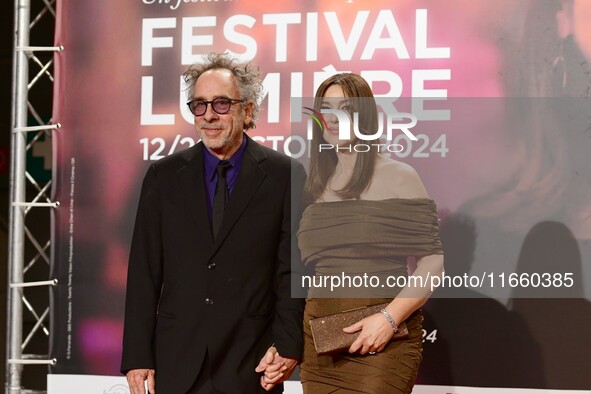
{"points": [[328, 334]]}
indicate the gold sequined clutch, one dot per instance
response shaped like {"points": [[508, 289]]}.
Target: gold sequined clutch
{"points": [[328, 334]]}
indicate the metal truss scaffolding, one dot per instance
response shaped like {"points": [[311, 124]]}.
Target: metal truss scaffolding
{"points": [[29, 252]]}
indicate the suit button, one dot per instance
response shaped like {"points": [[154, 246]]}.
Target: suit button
{"points": [[211, 265], [209, 301]]}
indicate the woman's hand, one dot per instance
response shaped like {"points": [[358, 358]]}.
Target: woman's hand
{"points": [[275, 368], [375, 334]]}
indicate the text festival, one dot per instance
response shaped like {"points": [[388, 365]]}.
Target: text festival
{"points": [[198, 37]]}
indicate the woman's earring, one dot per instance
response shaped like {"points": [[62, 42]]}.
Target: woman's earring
{"points": [[559, 66]]}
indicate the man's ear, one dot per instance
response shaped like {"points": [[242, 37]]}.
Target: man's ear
{"points": [[248, 108], [564, 19]]}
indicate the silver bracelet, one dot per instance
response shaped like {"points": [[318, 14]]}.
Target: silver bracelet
{"points": [[390, 320]]}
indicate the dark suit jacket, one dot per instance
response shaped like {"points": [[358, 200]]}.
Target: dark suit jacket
{"points": [[188, 295]]}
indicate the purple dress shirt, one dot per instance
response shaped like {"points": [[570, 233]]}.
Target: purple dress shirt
{"points": [[211, 179]]}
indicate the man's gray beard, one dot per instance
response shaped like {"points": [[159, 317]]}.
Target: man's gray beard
{"points": [[218, 145]]}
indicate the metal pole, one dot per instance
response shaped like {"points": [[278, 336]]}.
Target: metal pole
{"points": [[16, 236]]}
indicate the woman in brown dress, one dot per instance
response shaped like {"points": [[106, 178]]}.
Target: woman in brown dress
{"points": [[367, 214]]}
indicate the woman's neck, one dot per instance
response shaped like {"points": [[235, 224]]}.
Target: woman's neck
{"points": [[346, 162], [343, 170]]}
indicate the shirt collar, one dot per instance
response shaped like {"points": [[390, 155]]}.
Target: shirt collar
{"points": [[211, 162]]}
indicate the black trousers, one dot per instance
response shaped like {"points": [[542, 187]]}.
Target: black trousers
{"points": [[203, 383]]}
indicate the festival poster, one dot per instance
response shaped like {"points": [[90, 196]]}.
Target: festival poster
{"points": [[507, 83]]}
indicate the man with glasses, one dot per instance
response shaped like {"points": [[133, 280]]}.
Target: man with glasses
{"points": [[208, 291]]}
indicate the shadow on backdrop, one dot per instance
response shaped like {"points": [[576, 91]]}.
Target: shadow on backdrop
{"points": [[479, 342], [560, 324]]}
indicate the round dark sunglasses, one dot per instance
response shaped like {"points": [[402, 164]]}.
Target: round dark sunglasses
{"points": [[220, 105]]}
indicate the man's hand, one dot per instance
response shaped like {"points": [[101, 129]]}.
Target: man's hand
{"points": [[276, 368], [136, 379]]}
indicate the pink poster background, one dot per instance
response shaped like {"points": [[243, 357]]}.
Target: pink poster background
{"points": [[501, 186]]}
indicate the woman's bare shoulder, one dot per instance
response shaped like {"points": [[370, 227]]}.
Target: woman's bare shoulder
{"points": [[398, 179]]}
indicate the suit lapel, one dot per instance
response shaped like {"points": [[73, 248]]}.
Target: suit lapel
{"points": [[192, 185], [249, 180]]}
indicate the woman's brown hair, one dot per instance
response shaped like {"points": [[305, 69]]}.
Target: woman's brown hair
{"points": [[323, 163]]}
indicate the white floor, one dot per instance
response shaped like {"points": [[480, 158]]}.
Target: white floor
{"points": [[92, 384]]}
